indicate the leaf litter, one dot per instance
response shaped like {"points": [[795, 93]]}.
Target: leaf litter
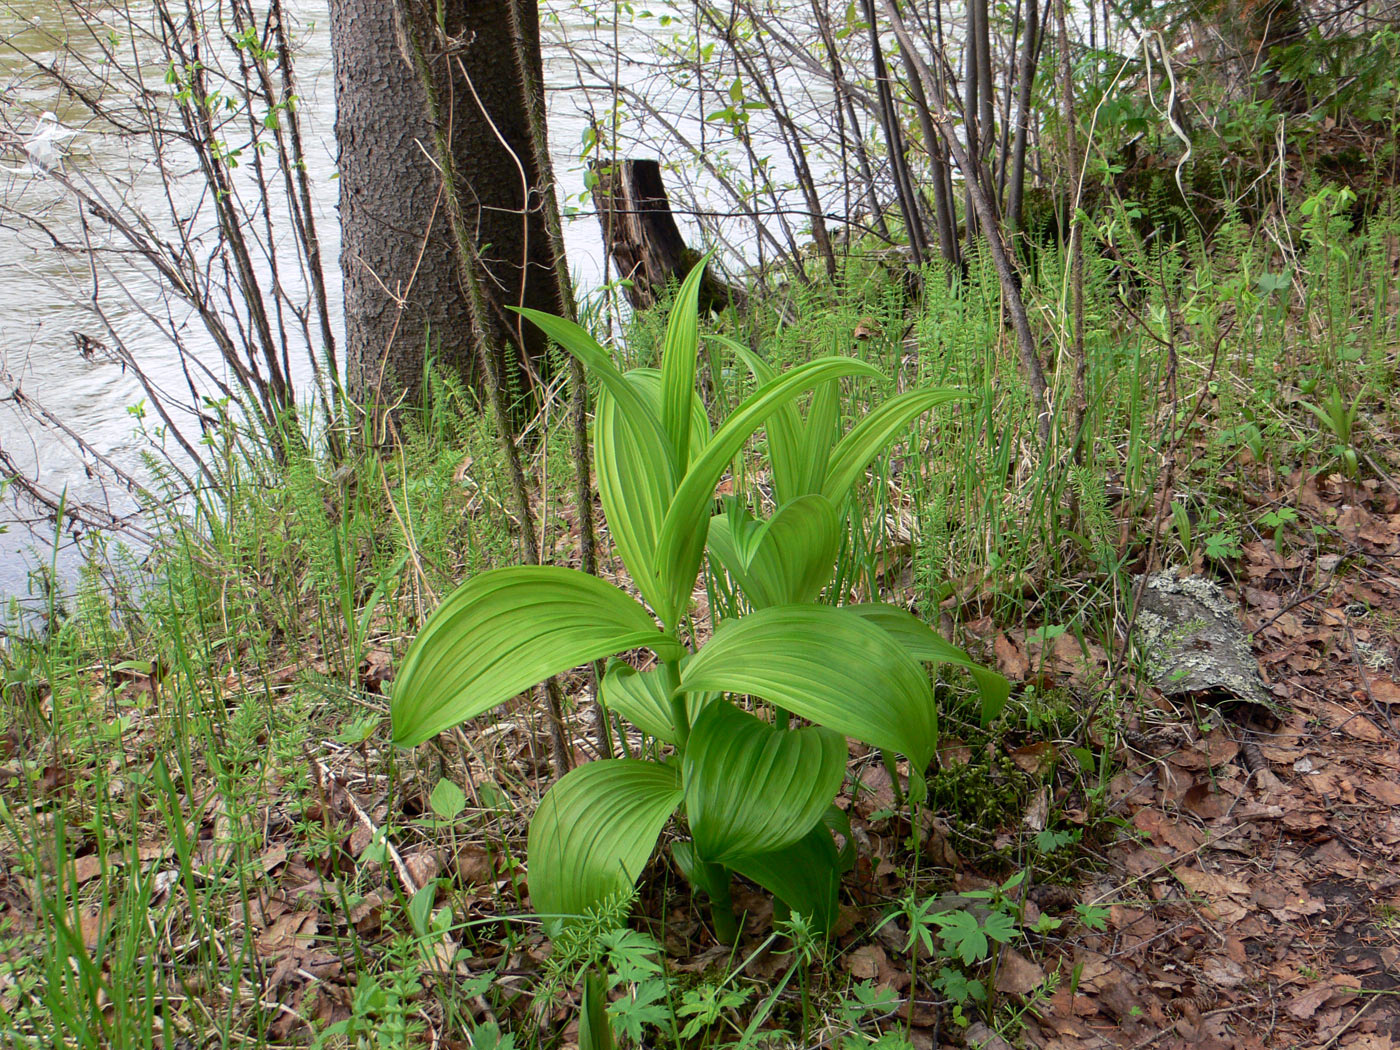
{"points": [[1251, 895]]}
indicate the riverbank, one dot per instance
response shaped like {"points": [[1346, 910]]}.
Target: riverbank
{"points": [[210, 841]]}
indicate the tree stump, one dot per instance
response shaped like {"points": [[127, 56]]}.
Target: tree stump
{"points": [[643, 239]]}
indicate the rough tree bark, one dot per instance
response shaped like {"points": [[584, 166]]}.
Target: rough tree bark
{"points": [[403, 293], [643, 239]]}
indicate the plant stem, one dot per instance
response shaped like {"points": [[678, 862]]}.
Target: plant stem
{"points": [[722, 906], [680, 716]]}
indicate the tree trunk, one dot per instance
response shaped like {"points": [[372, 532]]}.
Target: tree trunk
{"points": [[641, 235], [403, 293]]}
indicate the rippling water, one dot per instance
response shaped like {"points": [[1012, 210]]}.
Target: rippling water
{"points": [[43, 292]]}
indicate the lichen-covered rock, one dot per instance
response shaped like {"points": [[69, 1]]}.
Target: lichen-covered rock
{"points": [[1188, 631]]}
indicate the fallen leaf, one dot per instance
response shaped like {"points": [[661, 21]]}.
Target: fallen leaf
{"points": [[1215, 887], [1017, 975], [1036, 758], [294, 930], [1223, 972], [1385, 690], [1353, 723], [864, 963], [1011, 659]]}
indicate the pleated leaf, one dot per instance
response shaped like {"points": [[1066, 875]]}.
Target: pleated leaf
{"points": [[804, 876], [791, 556], [785, 560], [635, 485], [634, 479], [926, 645], [594, 831], [784, 426], [828, 666], [683, 534], [713, 879], [504, 631], [678, 355], [752, 788], [868, 438], [648, 381], [820, 430], [643, 699], [594, 1026]]}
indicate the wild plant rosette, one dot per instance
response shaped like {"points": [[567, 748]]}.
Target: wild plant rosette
{"points": [[756, 794]]}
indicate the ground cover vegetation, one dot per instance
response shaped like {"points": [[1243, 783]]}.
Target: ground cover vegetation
{"points": [[874, 759]]}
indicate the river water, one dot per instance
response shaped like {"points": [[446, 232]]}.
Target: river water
{"points": [[44, 293]]}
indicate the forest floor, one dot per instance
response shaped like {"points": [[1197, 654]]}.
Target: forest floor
{"points": [[211, 841], [1262, 909], [1249, 879]]}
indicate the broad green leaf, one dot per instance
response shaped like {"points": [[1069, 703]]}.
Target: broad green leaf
{"points": [[828, 666], [868, 438], [803, 876], [926, 645], [791, 556], [678, 355], [728, 538], [786, 560], [504, 631], [819, 436], [642, 698], [596, 360], [594, 831], [963, 935], [784, 426], [648, 380], [683, 534], [751, 788], [594, 1027], [635, 485], [447, 800], [1000, 927], [420, 908], [634, 477]]}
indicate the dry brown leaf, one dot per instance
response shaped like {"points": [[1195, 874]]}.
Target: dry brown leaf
{"points": [[294, 930], [1017, 975], [1354, 724], [474, 865], [1210, 752], [1036, 758], [1382, 790], [1215, 887], [1224, 972], [864, 963], [1011, 658], [90, 924], [1178, 834], [866, 327], [422, 866], [85, 869], [1385, 690], [953, 752], [1332, 992]]}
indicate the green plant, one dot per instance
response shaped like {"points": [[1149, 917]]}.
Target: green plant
{"points": [[756, 795], [961, 930], [1339, 417]]}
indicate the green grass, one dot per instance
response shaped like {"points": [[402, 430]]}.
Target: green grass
{"points": [[206, 834]]}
